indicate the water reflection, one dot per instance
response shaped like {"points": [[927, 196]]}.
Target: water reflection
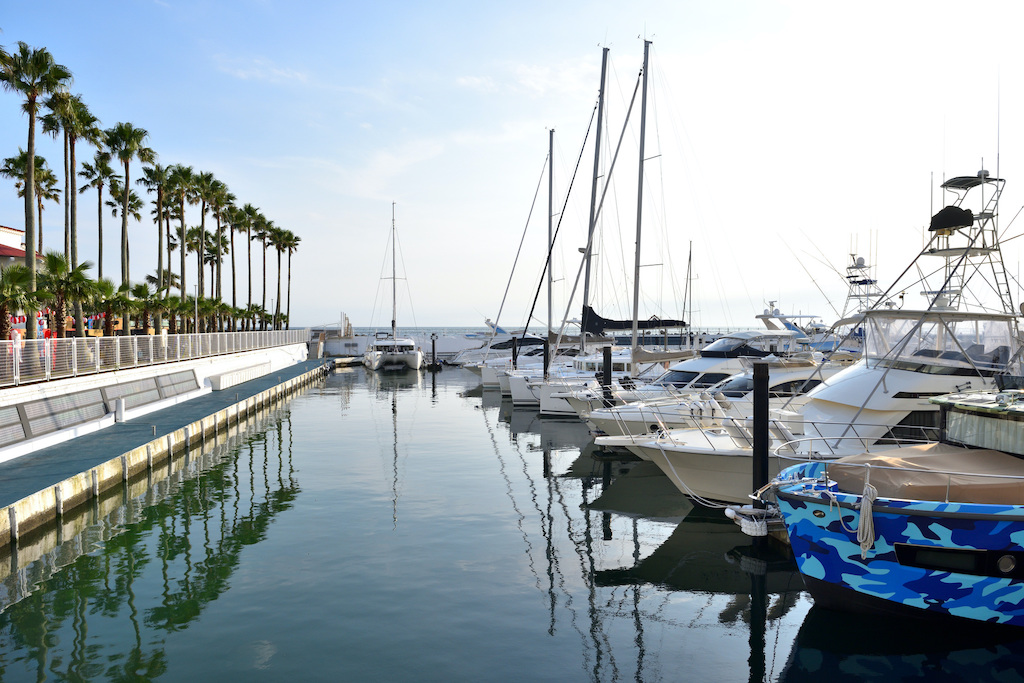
{"points": [[149, 558], [645, 559], [850, 647], [635, 545]]}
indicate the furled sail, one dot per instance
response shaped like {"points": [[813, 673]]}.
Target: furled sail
{"points": [[595, 324]]}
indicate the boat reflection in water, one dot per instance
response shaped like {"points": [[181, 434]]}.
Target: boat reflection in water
{"points": [[846, 647], [148, 558], [645, 558]]}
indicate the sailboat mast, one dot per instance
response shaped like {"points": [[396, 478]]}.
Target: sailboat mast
{"points": [[593, 190], [551, 211], [394, 294], [640, 202]]}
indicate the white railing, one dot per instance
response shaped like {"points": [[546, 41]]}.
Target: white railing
{"points": [[40, 360]]}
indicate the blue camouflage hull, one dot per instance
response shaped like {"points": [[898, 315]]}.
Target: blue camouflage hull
{"points": [[929, 558]]}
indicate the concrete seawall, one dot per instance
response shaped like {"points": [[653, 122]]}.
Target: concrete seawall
{"points": [[56, 500]]}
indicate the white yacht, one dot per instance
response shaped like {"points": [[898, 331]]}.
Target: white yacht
{"points": [[388, 351], [909, 356]]}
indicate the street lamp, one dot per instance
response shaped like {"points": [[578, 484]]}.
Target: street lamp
{"points": [[195, 288]]}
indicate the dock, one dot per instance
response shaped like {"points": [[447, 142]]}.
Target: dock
{"points": [[42, 486]]}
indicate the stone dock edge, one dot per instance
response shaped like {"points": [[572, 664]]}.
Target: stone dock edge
{"points": [[53, 502]]}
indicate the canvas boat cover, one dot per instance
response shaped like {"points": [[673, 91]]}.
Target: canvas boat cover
{"points": [[935, 472]]}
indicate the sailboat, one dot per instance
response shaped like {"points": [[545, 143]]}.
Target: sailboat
{"points": [[388, 351]]}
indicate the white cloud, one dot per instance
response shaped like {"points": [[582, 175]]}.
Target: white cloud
{"points": [[258, 69]]}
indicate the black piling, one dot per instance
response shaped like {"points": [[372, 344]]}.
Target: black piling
{"points": [[760, 469]]}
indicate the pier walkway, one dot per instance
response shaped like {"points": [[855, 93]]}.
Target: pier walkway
{"points": [[29, 474]]}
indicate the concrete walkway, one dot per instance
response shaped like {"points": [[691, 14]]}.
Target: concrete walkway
{"points": [[34, 472]]}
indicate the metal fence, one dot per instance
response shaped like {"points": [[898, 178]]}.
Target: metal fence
{"points": [[39, 360]]}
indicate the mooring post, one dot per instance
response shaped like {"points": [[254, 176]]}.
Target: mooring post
{"points": [[547, 357], [760, 470], [606, 376], [515, 353]]}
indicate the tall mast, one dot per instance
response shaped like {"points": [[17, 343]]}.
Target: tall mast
{"points": [[394, 295], [551, 210], [593, 190], [640, 202]]}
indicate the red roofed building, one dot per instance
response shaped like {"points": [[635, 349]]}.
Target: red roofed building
{"points": [[12, 246]]}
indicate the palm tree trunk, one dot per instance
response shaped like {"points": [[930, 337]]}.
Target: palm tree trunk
{"points": [[248, 242], [288, 309], [30, 218], [159, 252], [219, 257], [277, 306], [99, 233], [234, 281], [67, 199], [124, 230], [79, 319], [263, 325], [181, 249]]}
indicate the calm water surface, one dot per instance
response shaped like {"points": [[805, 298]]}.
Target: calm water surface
{"points": [[415, 528]]}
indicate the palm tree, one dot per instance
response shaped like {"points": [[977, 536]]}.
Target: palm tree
{"points": [[221, 200], [99, 174], [144, 303], [195, 243], [14, 295], [59, 105], [45, 183], [216, 246], [277, 239], [65, 284], [291, 244], [181, 181], [32, 73], [72, 116], [126, 142], [155, 178], [261, 233], [204, 191], [172, 305], [235, 218], [252, 215]]}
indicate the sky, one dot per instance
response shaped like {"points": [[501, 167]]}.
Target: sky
{"points": [[781, 137]]}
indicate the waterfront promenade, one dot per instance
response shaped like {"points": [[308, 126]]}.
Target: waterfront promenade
{"points": [[34, 472]]}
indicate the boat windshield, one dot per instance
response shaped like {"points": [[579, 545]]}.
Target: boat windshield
{"points": [[695, 380], [939, 343], [744, 344], [741, 385]]}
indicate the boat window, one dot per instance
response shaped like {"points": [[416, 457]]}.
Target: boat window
{"points": [[737, 387], [618, 367], [710, 379], [796, 387], [676, 378]]}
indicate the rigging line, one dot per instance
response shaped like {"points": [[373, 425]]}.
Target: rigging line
{"points": [[561, 215], [597, 213], [815, 282], [533, 205]]}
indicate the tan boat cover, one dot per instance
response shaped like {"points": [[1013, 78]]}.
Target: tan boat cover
{"points": [[935, 472], [645, 356]]}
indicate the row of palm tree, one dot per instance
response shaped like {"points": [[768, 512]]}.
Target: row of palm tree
{"points": [[43, 85], [61, 285]]}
